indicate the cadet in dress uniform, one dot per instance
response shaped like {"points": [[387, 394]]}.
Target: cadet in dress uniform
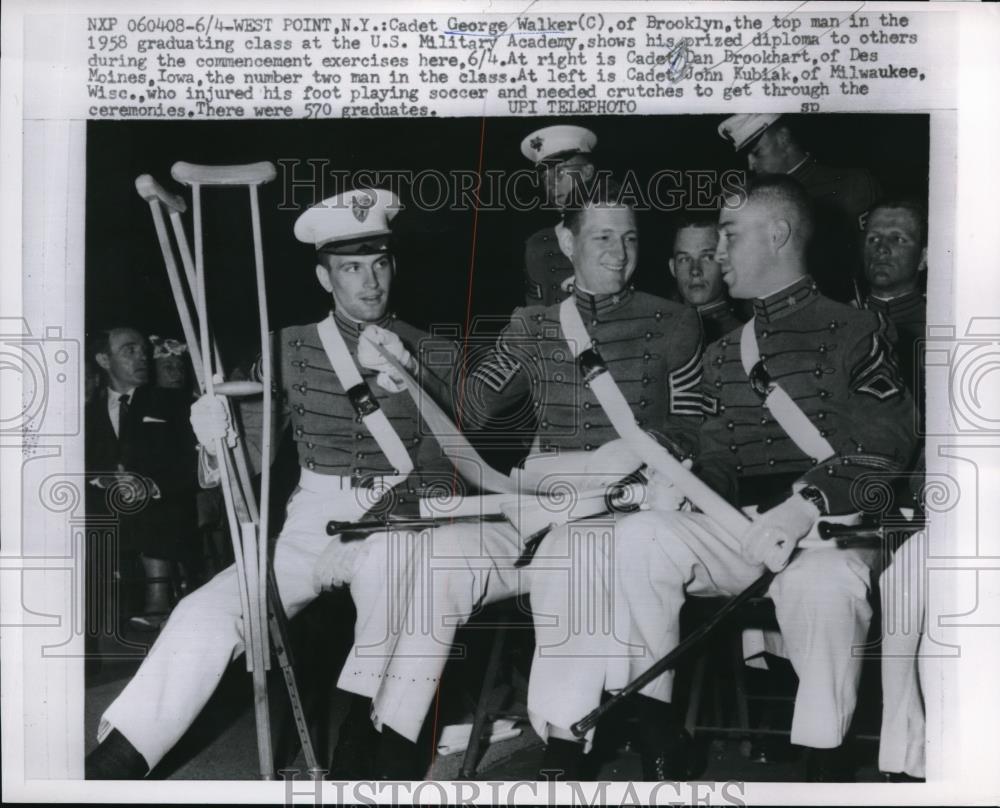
{"points": [[835, 364], [698, 275], [563, 157], [345, 462], [842, 196], [651, 348], [895, 255]]}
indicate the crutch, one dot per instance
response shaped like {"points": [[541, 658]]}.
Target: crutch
{"points": [[261, 605]]}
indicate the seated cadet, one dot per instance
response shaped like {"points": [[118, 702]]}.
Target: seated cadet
{"points": [[841, 196], [563, 157], [895, 255], [651, 348], [835, 366], [345, 461], [698, 275]]}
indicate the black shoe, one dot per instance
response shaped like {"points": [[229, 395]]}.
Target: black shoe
{"points": [[665, 747], [397, 758], [900, 777], [115, 759], [357, 744], [827, 766], [666, 754], [563, 760]]}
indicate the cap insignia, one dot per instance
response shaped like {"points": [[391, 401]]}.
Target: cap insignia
{"points": [[360, 205], [536, 143]]}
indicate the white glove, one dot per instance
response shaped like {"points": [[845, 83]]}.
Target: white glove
{"points": [[607, 464], [661, 494], [210, 420], [337, 563], [369, 356], [772, 537]]}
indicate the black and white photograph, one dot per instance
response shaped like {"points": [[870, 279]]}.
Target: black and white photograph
{"points": [[644, 225]]}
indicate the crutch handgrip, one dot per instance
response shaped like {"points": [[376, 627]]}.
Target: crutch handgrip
{"points": [[236, 389], [249, 174], [149, 189]]}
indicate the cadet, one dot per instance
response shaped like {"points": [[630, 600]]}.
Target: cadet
{"points": [[651, 348], [832, 391], [895, 255], [563, 158], [699, 277], [354, 440], [842, 196]]}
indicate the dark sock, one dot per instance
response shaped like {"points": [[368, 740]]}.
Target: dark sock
{"points": [[357, 742], [659, 712], [827, 765], [397, 757], [115, 759], [563, 760]]}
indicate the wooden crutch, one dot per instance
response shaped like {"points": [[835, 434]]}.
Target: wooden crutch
{"points": [[259, 599]]}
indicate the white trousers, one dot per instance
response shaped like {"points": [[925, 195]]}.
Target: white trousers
{"points": [[205, 631], [439, 579], [821, 603], [904, 603]]}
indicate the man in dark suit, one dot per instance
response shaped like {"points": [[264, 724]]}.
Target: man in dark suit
{"points": [[141, 464]]}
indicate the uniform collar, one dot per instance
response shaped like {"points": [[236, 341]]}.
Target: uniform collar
{"points": [[899, 305], [714, 310], [600, 304], [802, 165], [785, 301], [353, 328]]}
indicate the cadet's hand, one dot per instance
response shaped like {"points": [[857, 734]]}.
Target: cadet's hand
{"points": [[336, 564], [661, 494], [210, 420], [369, 356], [772, 537]]}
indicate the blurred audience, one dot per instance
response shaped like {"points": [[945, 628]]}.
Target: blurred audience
{"points": [[141, 466]]}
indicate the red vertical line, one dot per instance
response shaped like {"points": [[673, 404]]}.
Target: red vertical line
{"points": [[461, 374]]}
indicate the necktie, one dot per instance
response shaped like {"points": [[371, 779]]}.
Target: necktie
{"points": [[122, 416]]}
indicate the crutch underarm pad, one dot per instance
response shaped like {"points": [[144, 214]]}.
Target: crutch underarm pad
{"points": [[150, 189], [249, 174]]}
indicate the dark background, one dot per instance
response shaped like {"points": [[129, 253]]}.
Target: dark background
{"points": [[126, 282]]}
